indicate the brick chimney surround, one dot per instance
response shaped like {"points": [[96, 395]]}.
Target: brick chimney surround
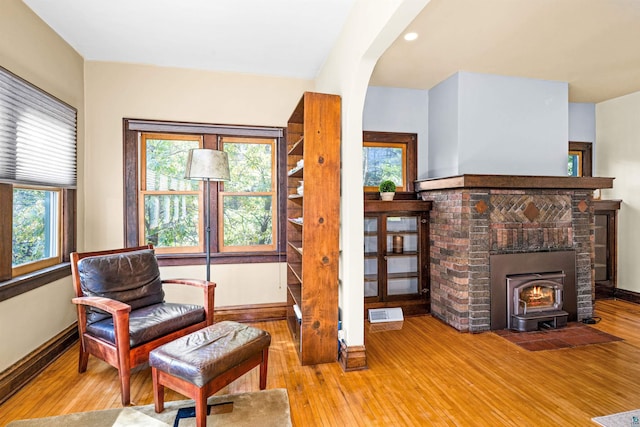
{"points": [[476, 216]]}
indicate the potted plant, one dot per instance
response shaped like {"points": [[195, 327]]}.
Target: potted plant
{"points": [[387, 189]]}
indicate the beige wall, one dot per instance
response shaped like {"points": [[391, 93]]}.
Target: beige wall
{"points": [[617, 154], [30, 49], [116, 91], [29, 320], [235, 284]]}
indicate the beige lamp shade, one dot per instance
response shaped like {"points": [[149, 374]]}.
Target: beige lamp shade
{"points": [[206, 164]]}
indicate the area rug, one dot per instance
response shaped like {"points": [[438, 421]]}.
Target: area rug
{"points": [[621, 419], [573, 335], [263, 408]]}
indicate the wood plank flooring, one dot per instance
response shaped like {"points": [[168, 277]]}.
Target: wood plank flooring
{"points": [[426, 374]]}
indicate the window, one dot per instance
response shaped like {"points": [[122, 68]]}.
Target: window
{"points": [[579, 159], [37, 185], [392, 156], [169, 203], [575, 163], [249, 198], [163, 208], [36, 229], [384, 161]]}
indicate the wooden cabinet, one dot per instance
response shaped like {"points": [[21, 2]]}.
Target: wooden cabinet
{"points": [[396, 255], [605, 247], [313, 212]]}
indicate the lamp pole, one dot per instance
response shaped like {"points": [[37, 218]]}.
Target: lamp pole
{"points": [[207, 197]]}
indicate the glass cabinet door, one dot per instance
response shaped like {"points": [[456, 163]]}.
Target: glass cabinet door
{"points": [[371, 283], [402, 255], [600, 246], [396, 255]]}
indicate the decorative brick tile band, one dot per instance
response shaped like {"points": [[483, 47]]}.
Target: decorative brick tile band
{"points": [[513, 208]]}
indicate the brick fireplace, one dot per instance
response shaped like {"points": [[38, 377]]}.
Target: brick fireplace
{"points": [[475, 217]]}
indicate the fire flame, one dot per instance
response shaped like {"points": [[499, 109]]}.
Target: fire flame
{"points": [[537, 293], [538, 296]]}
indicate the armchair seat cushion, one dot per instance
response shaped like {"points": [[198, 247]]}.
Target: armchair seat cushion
{"points": [[151, 322]]}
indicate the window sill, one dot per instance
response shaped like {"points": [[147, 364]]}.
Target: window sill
{"points": [[165, 260], [28, 282]]}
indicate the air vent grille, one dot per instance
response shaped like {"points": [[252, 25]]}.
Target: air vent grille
{"points": [[377, 315]]}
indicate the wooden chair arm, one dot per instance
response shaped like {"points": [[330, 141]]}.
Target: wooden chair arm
{"points": [[209, 293], [111, 306], [120, 313], [191, 282]]}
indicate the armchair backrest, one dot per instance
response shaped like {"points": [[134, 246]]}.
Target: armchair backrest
{"points": [[131, 277]]}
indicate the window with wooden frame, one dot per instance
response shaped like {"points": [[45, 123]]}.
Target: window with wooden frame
{"points": [[37, 227], [574, 167], [389, 156], [37, 186], [580, 163], [170, 205], [249, 198], [167, 210]]}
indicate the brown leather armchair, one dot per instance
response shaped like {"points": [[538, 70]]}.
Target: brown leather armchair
{"points": [[122, 314]]}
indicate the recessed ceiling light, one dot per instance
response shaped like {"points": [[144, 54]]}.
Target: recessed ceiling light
{"points": [[410, 36]]}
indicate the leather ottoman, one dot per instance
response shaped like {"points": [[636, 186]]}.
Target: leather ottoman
{"points": [[203, 362]]}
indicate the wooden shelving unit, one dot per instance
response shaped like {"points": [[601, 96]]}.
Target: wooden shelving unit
{"points": [[313, 138], [605, 247], [397, 279]]}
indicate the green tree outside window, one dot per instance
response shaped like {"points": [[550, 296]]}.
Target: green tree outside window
{"points": [[35, 225], [171, 203], [248, 207]]}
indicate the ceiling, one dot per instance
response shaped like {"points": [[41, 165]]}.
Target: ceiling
{"points": [[591, 44], [289, 38]]}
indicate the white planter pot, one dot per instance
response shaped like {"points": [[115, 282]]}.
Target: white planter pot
{"points": [[387, 196]]}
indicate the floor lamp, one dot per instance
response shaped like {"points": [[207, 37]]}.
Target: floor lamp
{"points": [[207, 165]]}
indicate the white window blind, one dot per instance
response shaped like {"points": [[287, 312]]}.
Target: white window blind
{"points": [[37, 135]]}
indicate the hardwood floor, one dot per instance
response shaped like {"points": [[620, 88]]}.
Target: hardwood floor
{"points": [[424, 374]]}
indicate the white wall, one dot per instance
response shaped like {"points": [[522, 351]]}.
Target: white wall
{"points": [[617, 149], [404, 110], [488, 124], [510, 125], [582, 122], [389, 109], [444, 128]]}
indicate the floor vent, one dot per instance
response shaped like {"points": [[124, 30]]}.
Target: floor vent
{"points": [[378, 315]]}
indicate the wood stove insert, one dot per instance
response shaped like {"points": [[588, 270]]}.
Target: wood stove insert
{"points": [[535, 301], [547, 264]]}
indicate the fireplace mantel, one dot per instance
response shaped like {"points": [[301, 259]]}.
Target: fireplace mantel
{"points": [[514, 181]]}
